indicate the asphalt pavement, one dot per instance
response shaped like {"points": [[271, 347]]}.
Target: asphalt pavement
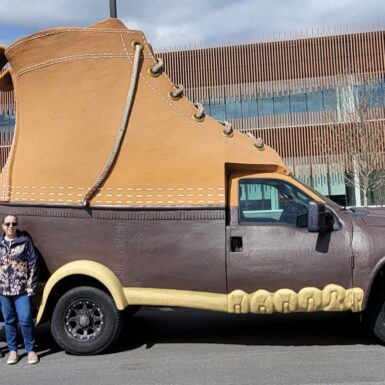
{"points": [[165, 346]]}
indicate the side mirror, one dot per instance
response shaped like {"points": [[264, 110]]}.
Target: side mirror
{"points": [[318, 219]]}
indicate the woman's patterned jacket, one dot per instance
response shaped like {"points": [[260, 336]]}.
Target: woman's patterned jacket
{"points": [[18, 263]]}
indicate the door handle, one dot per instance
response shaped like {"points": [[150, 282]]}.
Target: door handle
{"points": [[236, 244]]}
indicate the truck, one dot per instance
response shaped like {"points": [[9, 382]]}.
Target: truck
{"points": [[134, 197]]}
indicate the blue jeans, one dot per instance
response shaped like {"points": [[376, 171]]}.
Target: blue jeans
{"points": [[18, 308]]}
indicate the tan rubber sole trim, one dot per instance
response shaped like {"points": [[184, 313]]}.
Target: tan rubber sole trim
{"points": [[309, 299]]}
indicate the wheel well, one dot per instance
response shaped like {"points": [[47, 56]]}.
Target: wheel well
{"points": [[66, 284], [377, 290]]}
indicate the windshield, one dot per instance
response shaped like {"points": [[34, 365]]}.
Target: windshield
{"points": [[326, 199]]}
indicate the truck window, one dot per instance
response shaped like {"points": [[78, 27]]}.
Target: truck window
{"points": [[323, 197], [270, 201]]}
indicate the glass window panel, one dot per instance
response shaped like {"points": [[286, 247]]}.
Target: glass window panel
{"points": [[207, 109], [330, 100], [233, 108], [250, 108], [365, 95], [358, 92], [377, 99], [270, 201], [281, 105], [314, 101], [218, 110], [369, 95], [298, 103], [265, 106], [7, 122]]}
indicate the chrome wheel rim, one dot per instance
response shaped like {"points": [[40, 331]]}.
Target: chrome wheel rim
{"points": [[84, 320]]}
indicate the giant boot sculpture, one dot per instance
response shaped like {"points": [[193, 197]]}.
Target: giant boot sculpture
{"points": [[99, 124]]}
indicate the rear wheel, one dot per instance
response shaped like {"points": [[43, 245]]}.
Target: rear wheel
{"points": [[85, 321]]}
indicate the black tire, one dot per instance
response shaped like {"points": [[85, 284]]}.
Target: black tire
{"points": [[374, 314], [376, 320], [85, 321]]}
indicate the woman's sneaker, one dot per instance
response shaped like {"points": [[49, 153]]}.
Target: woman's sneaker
{"points": [[13, 357], [33, 358]]}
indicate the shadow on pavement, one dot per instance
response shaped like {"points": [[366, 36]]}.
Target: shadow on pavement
{"points": [[151, 326]]}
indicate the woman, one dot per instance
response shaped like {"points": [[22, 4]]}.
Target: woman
{"points": [[18, 281]]}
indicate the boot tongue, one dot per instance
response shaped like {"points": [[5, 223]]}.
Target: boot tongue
{"points": [[109, 23]]}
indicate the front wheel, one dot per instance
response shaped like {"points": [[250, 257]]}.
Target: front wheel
{"points": [[85, 321], [376, 320]]}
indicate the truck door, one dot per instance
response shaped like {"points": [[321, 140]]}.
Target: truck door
{"points": [[267, 248]]}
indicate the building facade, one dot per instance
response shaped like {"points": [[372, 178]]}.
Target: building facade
{"points": [[318, 100]]}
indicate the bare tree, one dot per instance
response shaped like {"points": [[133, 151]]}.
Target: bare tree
{"points": [[360, 136]]}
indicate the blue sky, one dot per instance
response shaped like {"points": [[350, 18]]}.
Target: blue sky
{"points": [[180, 23]]}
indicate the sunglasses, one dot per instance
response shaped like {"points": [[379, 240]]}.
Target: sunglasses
{"points": [[7, 224]]}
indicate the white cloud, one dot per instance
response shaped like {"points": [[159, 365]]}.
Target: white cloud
{"points": [[183, 22]]}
